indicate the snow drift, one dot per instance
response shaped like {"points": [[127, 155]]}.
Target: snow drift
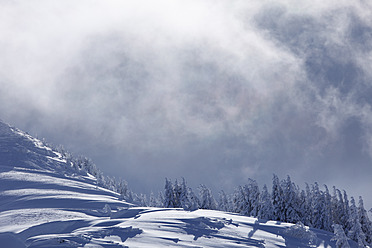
{"points": [[45, 202]]}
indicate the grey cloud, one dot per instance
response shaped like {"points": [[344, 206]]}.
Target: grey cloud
{"points": [[213, 91]]}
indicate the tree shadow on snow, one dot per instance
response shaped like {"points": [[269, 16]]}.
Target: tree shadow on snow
{"points": [[206, 227], [201, 226], [123, 232], [62, 235]]}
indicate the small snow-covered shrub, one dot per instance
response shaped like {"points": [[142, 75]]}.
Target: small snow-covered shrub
{"points": [[300, 231]]}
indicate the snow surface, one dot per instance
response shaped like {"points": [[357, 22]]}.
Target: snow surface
{"points": [[44, 204]]}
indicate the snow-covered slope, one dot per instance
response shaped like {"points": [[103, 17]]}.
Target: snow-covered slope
{"points": [[43, 203]]}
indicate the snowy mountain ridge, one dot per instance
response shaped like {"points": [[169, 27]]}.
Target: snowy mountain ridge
{"points": [[45, 202]]}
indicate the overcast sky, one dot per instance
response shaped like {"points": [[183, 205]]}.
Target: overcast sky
{"points": [[213, 91]]}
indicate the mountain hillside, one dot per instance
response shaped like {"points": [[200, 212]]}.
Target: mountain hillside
{"points": [[44, 202]]}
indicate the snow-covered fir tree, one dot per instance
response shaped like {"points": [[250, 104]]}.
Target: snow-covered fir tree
{"points": [[364, 221], [291, 207], [337, 207], [224, 203], [239, 201], [278, 200], [152, 200], [327, 210], [318, 207], [123, 190], [169, 196], [304, 208], [207, 200], [188, 199], [346, 219], [160, 200], [340, 237], [265, 210], [183, 195], [356, 233], [177, 191], [253, 194], [140, 200], [309, 209], [246, 199], [194, 200]]}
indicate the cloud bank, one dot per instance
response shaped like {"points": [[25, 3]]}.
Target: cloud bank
{"points": [[215, 91]]}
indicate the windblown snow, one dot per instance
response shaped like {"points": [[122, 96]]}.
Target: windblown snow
{"points": [[44, 203]]}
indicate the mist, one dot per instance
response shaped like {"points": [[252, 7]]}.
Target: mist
{"points": [[213, 91]]}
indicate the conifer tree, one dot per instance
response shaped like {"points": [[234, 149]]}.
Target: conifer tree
{"points": [[169, 201], [206, 198], [188, 199], [140, 200], [224, 202], [290, 201], [152, 200], [346, 216], [302, 206], [160, 200], [365, 223], [123, 190], [278, 200], [356, 233], [253, 193], [327, 210], [309, 203], [239, 201], [194, 200], [335, 206], [340, 237], [184, 197], [265, 210], [318, 206], [177, 189], [343, 212], [246, 199]]}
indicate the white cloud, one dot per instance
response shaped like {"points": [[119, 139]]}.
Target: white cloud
{"points": [[274, 83]]}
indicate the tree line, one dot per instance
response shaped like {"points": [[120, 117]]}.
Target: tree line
{"points": [[313, 206]]}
